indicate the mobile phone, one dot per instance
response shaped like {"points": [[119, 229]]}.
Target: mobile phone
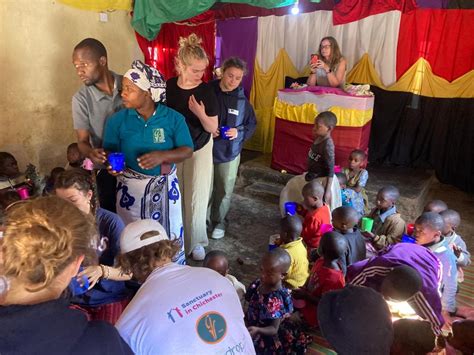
{"points": [[314, 58]]}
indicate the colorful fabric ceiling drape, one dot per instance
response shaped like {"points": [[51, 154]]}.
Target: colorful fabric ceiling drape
{"points": [[149, 15], [99, 5], [354, 10]]}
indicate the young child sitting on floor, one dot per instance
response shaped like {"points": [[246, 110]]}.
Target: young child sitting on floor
{"points": [[49, 187], [290, 231], [347, 195], [321, 157], [326, 275], [269, 307], [412, 337], [435, 206], [451, 220], [12, 178], [74, 157], [357, 178], [10, 175], [428, 229], [217, 261], [388, 224], [355, 321], [462, 336], [344, 220], [315, 214]]}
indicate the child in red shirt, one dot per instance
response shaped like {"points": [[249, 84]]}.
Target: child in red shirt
{"points": [[326, 275], [315, 215]]}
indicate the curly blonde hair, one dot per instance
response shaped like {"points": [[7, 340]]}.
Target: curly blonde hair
{"points": [[42, 237], [190, 48], [141, 262]]}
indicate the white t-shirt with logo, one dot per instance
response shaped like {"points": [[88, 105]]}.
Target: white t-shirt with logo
{"points": [[185, 310]]}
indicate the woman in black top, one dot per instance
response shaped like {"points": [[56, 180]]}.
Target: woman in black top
{"points": [[44, 244], [196, 101]]}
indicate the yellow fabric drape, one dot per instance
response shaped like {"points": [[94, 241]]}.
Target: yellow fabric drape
{"points": [[99, 5], [364, 73], [419, 80], [264, 90], [307, 112]]}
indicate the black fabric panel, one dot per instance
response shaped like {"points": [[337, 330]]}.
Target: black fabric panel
{"points": [[424, 132], [289, 80], [461, 4]]}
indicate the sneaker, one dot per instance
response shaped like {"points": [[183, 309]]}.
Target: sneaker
{"points": [[217, 233], [198, 253]]}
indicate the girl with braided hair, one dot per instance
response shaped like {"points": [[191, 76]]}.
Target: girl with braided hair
{"points": [[108, 294]]}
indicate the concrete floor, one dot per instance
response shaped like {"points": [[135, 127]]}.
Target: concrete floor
{"points": [[255, 216]]}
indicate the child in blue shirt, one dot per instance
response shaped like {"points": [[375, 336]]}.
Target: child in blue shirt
{"points": [[452, 219]]}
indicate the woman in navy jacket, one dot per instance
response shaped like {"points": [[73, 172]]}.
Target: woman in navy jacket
{"points": [[236, 124]]}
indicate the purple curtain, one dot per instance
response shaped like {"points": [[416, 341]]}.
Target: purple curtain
{"points": [[433, 4], [239, 38]]}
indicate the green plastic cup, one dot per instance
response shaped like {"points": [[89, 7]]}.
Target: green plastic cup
{"points": [[367, 224]]}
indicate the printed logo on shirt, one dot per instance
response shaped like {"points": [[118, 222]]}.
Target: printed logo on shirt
{"points": [[196, 303], [231, 111], [313, 155], [211, 327], [159, 135], [174, 312]]}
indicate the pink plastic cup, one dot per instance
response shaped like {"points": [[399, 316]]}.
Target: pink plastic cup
{"points": [[23, 192], [325, 228]]}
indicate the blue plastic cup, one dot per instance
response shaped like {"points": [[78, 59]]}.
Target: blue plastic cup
{"points": [[79, 287], [224, 130], [408, 239], [117, 161], [273, 242], [290, 208]]}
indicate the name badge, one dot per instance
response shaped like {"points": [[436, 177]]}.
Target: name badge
{"points": [[232, 111]]}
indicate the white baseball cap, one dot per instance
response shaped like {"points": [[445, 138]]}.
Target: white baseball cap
{"points": [[131, 237]]}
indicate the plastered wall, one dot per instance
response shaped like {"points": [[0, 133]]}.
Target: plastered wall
{"points": [[37, 77]]}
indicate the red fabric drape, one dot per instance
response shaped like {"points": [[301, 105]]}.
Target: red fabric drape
{"points": [[160, 52], [442, 37], [292, 142], [353, 10], [230, 10]]}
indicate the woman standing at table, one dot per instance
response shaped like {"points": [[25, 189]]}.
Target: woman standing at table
{"points": [[330, 68], [193, 98]]}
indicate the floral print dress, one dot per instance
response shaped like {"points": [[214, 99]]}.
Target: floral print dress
{"points": [[360, 201], [262, 310]]}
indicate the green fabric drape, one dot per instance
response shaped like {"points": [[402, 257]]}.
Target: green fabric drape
{"points": [[148, 15]]}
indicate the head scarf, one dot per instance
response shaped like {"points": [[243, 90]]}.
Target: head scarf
{"points": [[148, 79]]}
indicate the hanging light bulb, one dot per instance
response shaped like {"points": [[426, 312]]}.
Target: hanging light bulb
{"points": [[295, 10]]}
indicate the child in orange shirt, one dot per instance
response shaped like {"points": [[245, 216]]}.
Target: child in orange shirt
{"points": [[315, 213]]}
